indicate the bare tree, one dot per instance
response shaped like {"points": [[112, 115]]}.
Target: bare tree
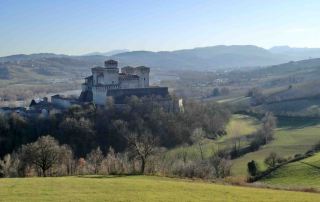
{"points": [[66, 159], [142, 147], [95, 158], [220, 163], [198, 137], [44, 153], [271, 160], [9, 166], [269, 123]]}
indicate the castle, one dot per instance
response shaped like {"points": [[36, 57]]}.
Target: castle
{"points": [[108, 81], [105, 82]]}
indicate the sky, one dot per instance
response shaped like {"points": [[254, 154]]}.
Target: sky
{"points": [[77, 27]]}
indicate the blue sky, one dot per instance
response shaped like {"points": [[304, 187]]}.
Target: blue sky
{"points": [[82, 26]]}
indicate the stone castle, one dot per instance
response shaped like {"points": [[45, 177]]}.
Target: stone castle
{"points": [[108, 81], [104, 82]]}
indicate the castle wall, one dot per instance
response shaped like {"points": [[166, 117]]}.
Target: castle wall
{"points": [[128, 70], [99, 95], [96, 73], [129, 83], [119, 95], [111, 76]]}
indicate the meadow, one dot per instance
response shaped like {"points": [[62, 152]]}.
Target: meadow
{"points": [[137, 188], [290, 138], [304, 173], [239, 126], [293, 136]]}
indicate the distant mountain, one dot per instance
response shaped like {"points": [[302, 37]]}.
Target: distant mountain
{"points": [[109, 53], [43, 65], [206, 58], [296, 53], [35, 56]]}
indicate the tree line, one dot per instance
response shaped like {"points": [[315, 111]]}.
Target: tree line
{"points": [[130, 136]]}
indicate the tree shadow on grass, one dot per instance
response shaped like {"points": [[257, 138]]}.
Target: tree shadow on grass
{"points": [[293, 123], [311, 165]]}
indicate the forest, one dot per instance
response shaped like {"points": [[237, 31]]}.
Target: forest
{"points": [[140, 124]]}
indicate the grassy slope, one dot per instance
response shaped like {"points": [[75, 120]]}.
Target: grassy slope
{"points": [[288, 142], [136, 188], [239, 125], [304, 173]]}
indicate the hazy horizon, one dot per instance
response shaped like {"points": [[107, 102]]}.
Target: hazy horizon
{"points": [[81, 27], [128, 50]]}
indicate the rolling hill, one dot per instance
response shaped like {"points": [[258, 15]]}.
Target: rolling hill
{"points": [[303, 173], [212, 58], [199, 59], [206, 58], [293, 136], [296, 53]]}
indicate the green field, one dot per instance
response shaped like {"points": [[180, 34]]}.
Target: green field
{"points": [[304, 173], [288, 142], [136, 188], [239, 126]]}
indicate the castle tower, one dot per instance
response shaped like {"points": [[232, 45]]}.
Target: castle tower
{"points": [[143, 73], [128, 70], [111, 72], [97, 75], [111, 64], [104, 78]]}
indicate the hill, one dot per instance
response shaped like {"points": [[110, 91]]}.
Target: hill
{"points": [[108, 53], [303, 173], [199, 59], [289, 89], [206, 58], [240, 126], [293, 136], [230, 64], [36, 66], [212, 58], [296, 53], [136, 188]]}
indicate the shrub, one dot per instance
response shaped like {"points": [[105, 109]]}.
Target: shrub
{"points": [[256, 143], [271, 160], [220, 164], [253, 169]]}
